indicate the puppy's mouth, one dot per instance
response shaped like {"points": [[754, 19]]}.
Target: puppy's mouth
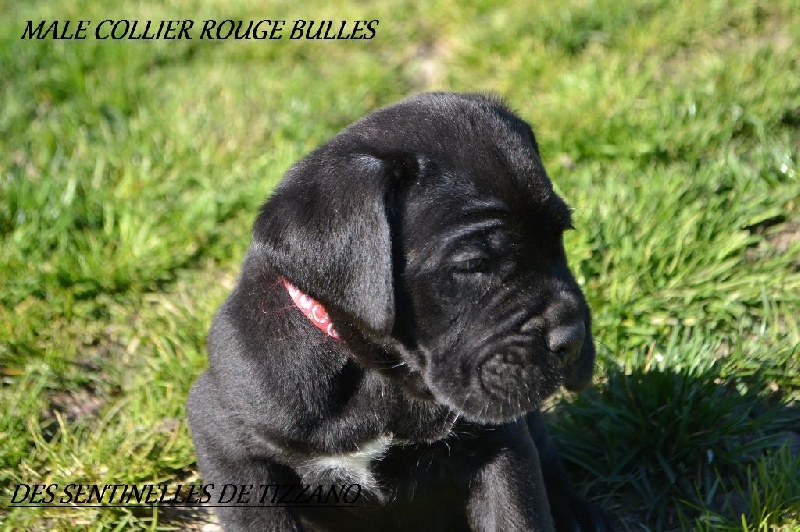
{"points": [[502, 386], [514, 376]]}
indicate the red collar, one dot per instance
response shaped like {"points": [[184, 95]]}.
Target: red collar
{"points": [[311, 309]]}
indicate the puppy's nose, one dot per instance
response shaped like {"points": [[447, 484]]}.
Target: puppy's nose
{"points": [[566, 341]]}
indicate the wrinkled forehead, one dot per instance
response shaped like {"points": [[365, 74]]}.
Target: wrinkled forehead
{"points": [[454, 211], [489, 182], [477, 159]]}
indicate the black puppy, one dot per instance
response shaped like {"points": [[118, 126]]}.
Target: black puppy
{"points": [[403, 310]]}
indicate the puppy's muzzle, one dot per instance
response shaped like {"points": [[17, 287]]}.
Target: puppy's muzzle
{"points": [[566, 341]]}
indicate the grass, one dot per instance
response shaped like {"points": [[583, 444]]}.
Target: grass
{"points": [[131, 172]]}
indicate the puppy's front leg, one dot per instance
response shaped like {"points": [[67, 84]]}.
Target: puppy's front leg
{"points": [[507, 492], [261, 515], [223, 458]]}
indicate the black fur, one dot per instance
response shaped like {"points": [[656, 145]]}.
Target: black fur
{"points": [[431, 233]]}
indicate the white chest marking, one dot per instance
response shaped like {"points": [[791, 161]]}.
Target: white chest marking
{"points": [[354, 466]]}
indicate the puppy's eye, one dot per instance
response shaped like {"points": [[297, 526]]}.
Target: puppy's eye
{"points": [[474, 265]]}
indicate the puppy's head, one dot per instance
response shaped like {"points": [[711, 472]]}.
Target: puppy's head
{"points": [[431, 226]]}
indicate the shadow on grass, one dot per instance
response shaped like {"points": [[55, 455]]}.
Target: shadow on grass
{"points": [[671, 449]]}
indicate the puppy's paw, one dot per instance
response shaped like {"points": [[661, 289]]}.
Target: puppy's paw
{"points": [[573, 513]]}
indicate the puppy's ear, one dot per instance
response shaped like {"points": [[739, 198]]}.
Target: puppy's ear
{"points": [[326, 229]]}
